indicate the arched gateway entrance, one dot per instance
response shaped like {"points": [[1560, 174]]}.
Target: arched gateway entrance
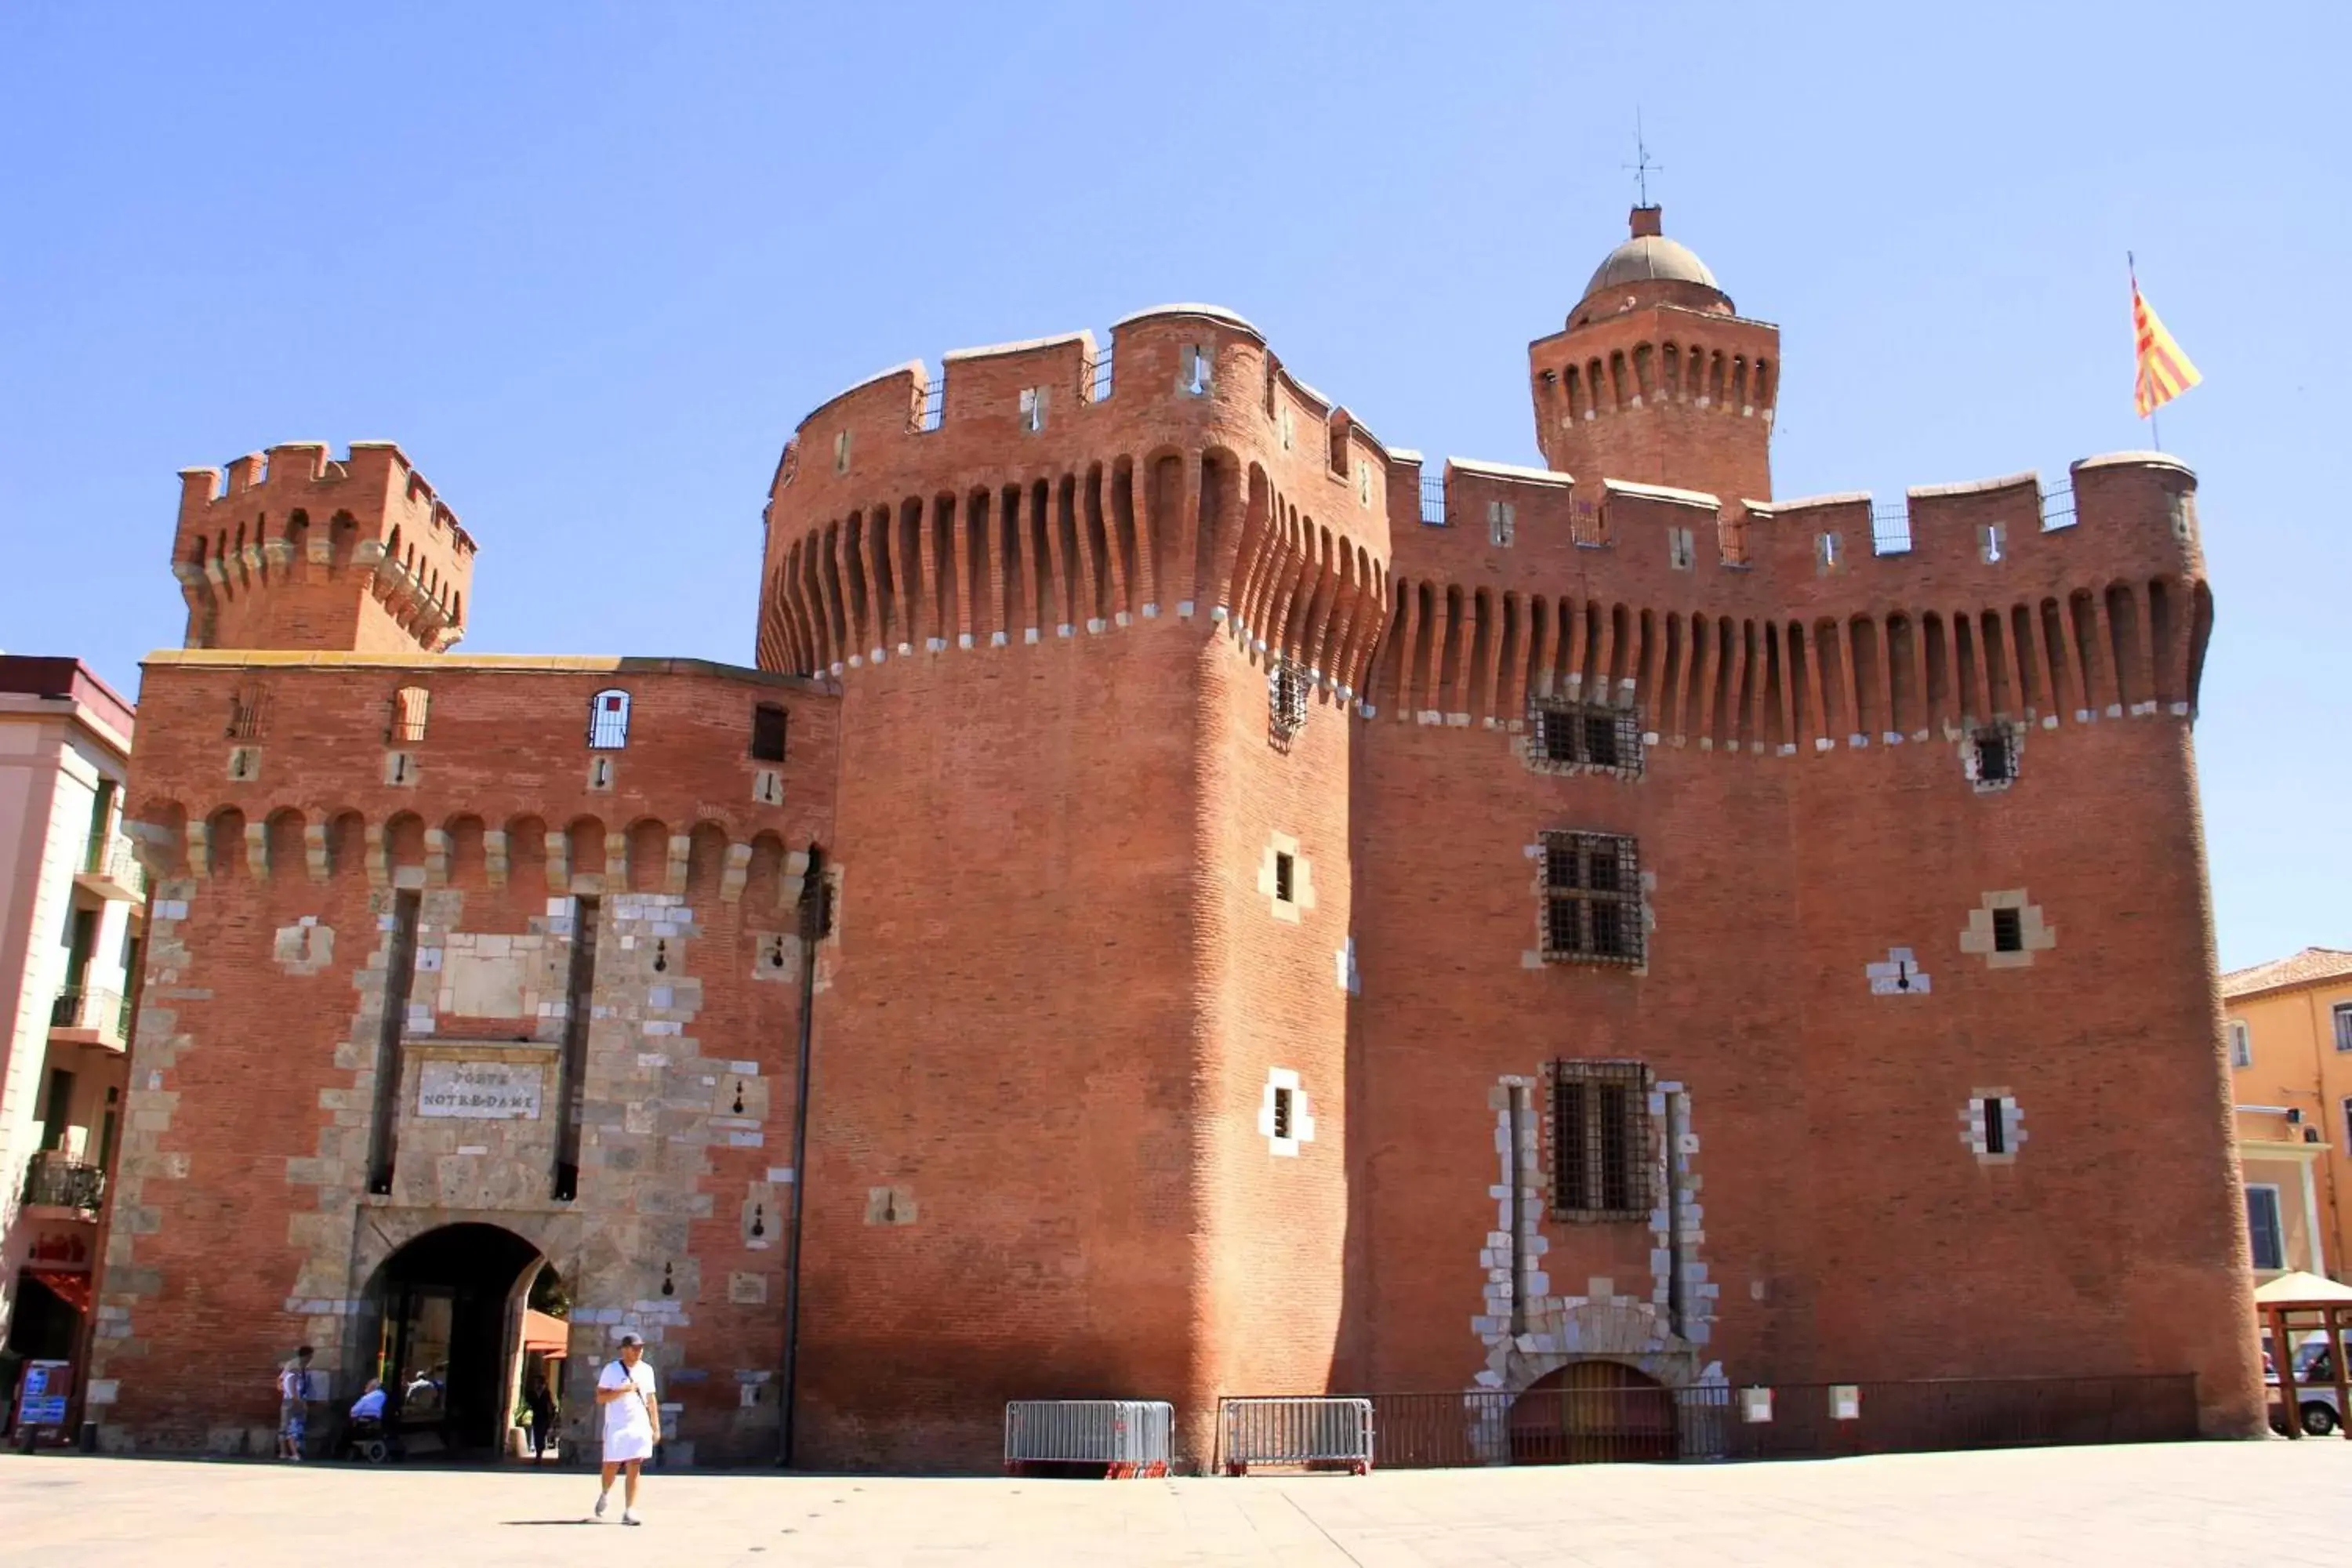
{"points": [[1592, 1412], [466, 1317]]}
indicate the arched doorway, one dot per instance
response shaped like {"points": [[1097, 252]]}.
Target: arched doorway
{"points": [[1592, 1412], [466, 1313]]}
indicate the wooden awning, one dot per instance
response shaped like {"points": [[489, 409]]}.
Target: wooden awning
{"points": [[546, 1333]]}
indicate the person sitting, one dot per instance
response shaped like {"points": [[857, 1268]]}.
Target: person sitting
{"points": [[369, 1406]]}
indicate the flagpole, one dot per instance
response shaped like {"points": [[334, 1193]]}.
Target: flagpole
{"points": [[2131, 268]]}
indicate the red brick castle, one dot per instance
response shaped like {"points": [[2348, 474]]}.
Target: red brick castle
{"points": [[1191, 901]]}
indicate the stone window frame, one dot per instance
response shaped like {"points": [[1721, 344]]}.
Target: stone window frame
{"points": [[2241, 1043], [1980, 936], [1977, 1130], [2011, 737], [1282, 1082], [1293, 910], [1578, 1090], [1566, 724], [1569, 860]]}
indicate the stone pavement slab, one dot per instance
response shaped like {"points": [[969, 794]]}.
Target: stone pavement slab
{"points": [[2274, 1503]]}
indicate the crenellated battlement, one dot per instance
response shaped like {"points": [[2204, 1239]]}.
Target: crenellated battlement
{"points": [[293, 548]]}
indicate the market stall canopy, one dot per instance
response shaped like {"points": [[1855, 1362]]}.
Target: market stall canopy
{"points": [[2298, 1287], [552, 1335]]}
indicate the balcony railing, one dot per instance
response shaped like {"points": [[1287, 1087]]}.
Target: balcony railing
{"points": [[60, 1183], [103, 1012], [111, 859]]}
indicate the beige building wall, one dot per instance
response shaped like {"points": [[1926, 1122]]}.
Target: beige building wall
{"points": [[2291, 1080], [68, 883]]}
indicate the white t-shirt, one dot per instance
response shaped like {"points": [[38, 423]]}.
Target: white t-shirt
{"points": [[628, 1422]]}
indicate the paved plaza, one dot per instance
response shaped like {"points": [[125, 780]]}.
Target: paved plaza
{"points": [[2275, 1503]]}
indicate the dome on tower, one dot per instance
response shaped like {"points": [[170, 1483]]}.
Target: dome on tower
{"points": [[1649, 257]]}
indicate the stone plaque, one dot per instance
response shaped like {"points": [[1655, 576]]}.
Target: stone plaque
{"points": [[494, 1091]]}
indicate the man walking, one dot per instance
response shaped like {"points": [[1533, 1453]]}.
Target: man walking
{"points": [[294, 1404], [632, 1423]]}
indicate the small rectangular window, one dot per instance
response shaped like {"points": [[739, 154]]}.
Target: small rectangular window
{"points": [[608, 720], [2343, 1019], [1681, 552], [1991, 541], [1363, 482], [1592, 899], [1285, 869], [841, 452], [2263, 1227], [247, 712], [1996, 758], [408, 720], [1601, 1145], [768, 734], [1825, 551], [1290, 428], [1573, 736], [2242, 1044], [1282, 1107], [1502, 523], [1995, 1111], [1033, 409], [2008, 932]]}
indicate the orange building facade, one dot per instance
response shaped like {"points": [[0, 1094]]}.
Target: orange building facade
{"points": [[1193, 901]]}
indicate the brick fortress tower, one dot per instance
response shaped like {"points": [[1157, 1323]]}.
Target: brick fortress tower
{"points": [[296, 550], [1298, 924]]}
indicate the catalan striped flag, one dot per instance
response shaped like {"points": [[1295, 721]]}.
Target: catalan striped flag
{"points": [[2165, 372]]}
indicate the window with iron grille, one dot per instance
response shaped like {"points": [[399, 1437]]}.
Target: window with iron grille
{"points": [[1286, 701], [768, 734], [1582, 737], [608, 720], [1993, 757], [1601, 1142], [247, 712], [1592, 899], [405, 719]]}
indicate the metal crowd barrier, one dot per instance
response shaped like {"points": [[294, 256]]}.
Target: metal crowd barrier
{"points": [[1307, 1430], [1127, 1438]]}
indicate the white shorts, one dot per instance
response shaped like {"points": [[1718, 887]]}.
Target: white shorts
{"points": [[621, 1446]]}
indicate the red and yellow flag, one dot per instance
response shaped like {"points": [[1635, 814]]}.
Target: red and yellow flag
{"points": [[2165, 372]]}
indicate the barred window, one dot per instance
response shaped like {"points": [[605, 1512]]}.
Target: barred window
{"points": [[1592, 899], [1286, 701], [608, 720], [1572, 737], [247, 712], [1600, 1154], [406, 720]]}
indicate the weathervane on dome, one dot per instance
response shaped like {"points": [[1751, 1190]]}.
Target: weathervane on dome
{"points": [[1642, 166]]}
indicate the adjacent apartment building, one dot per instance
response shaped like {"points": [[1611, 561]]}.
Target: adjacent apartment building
{"points": [[2290, 1033], [72, 912]]}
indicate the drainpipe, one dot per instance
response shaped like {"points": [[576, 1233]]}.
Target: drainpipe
{"points": [[816, 920]]}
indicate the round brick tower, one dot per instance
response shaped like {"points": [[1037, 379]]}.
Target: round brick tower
{"points": [[1098, 618]]}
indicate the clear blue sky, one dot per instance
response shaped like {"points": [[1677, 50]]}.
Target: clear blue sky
{"points": [[590, 265]]}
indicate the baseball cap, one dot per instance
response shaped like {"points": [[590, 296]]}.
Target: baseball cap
{"points": [[628, 1340]]}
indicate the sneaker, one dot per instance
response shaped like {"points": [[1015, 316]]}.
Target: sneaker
{"points": [[602, 1498], [629, 1516]]}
